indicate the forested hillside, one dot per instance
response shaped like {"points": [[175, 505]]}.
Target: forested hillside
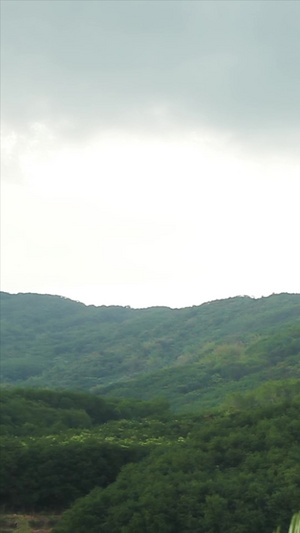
{"points": [[193, 357], [135, 467]]}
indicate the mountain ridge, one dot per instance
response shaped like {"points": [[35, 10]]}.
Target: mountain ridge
{"points": [[113, 350]]}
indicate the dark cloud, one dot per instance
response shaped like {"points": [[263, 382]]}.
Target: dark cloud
{"points": [[232, 66]]}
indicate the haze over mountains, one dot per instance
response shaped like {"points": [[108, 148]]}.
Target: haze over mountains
{"points": [[193, 356]]}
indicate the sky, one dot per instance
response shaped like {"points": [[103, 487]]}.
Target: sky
{"points": [[150, 149]]}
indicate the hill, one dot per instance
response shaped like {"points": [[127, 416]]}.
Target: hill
{"points": [[193, 356], [147, 469]]}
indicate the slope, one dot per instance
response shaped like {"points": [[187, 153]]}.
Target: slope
{"points": [[178, 353]]}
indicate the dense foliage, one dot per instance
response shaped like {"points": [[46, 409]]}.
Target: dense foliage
{"points": [[193, 356], [48, 474], [57, 446], [237, 473], [37, 412], [235, 470]]}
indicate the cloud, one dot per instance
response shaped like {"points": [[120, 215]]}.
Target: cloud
{"points": [[84, 67], [150, 149], [144, 221]]}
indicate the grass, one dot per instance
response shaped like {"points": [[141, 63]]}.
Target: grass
{"points": [[294, 525]]}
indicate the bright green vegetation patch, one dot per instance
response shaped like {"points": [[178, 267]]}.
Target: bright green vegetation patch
{"points": [[294, 526]]}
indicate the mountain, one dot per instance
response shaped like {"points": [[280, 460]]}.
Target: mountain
{"points": [[194, 356]]}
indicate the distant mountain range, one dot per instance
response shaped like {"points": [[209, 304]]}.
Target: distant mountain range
{"points": [[194, 356]]}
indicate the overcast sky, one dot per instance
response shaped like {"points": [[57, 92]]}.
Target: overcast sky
{"points": [[150, 149]]}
